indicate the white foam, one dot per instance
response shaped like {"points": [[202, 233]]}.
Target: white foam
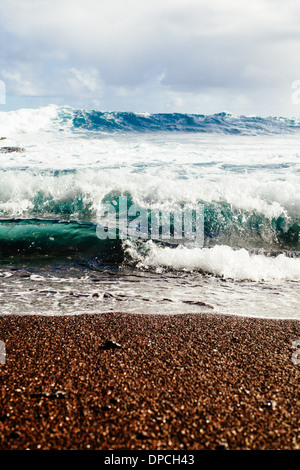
{"points": [[220, 261], [157, 170], [27, 120]]}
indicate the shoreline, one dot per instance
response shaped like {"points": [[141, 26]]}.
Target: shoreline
{"points": [[172, 382]]}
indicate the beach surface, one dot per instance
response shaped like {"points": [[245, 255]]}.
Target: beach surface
{"points": [[154, 382]]}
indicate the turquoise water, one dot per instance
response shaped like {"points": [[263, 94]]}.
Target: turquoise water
{"points": [[244, 172]]}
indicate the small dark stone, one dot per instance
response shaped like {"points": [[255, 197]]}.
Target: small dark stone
{"points": [[58, 394], [95, 294], [105, 407], [39, 394], [142, 435], [83, 413], [267, 404], [109, 344], [222, 446], [11, 149], [14, 435], [107, 295], [271, 404]]}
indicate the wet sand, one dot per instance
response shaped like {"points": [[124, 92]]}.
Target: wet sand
{"points": [[184, 382]]}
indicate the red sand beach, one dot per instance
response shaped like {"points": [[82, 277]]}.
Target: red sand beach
{"points": [[199, 381]]}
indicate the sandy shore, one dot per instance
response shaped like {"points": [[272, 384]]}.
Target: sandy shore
{"points": [[172, 382]]}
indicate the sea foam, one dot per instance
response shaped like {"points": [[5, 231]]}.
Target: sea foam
{"points": [[221, 260]]}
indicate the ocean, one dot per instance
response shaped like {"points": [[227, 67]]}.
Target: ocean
{"points": [[58, 167]]}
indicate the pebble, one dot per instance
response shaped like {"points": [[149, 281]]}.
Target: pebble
{"points": [[56, 394], [14, 435], [11, 149], [109, 344], [222, 446], [270, 404]]}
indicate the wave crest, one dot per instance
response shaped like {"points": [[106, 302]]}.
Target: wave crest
{"points": [[53, 117], [222, 261]]}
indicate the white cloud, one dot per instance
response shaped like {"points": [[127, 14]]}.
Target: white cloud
{"points": [[169, 54], [21, 84], [84, 80]]}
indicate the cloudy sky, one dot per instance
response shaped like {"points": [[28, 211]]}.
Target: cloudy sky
{"points": [[194, 56]]}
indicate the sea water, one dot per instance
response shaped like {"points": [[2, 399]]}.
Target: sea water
{"points": [[243, 171]]}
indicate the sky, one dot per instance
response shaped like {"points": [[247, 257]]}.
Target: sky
{"points": [[189, 56]]}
